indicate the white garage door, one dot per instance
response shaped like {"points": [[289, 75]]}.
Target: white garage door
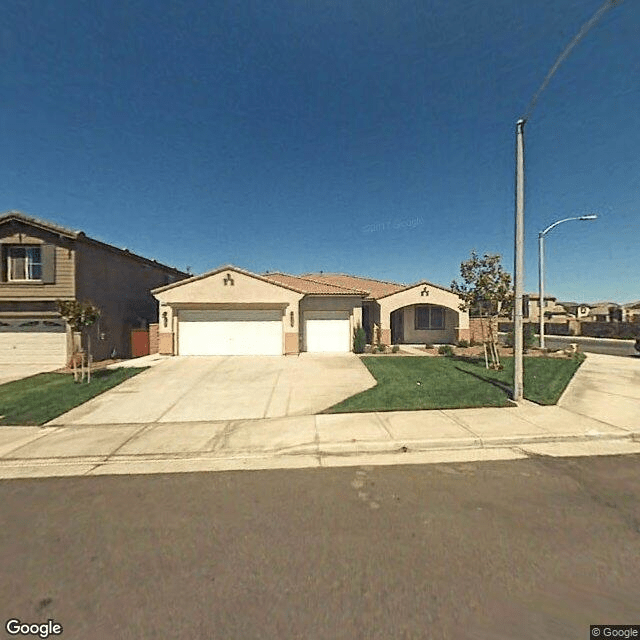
{"points": [[327, 331], [42, 342], [230, 333]]}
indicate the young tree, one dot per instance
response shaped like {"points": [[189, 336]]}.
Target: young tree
{"points": [[486, 290], [80, 316]]}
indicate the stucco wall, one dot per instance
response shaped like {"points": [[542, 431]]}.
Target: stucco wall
{"points": [[456, 321], [211, 292]]}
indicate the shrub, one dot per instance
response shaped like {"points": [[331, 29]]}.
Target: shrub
{"points": [[463, 343], [445, 350], [472, 343], [528, 337], [395, 348], [359, 339], [382, 348], [428, 346]]}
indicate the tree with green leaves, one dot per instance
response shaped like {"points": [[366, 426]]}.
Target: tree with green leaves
{"points": [[80, 316], [485, 290]]}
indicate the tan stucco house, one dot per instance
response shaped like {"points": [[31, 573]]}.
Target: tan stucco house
{"points": [[231, 311], [41, 263]]}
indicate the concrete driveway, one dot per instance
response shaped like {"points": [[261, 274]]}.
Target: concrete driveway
{"points": [[210, 388], [606, 388], [11, 372]]}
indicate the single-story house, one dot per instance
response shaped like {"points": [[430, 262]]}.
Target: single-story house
{"points": [[42, 262], [231, 311]]}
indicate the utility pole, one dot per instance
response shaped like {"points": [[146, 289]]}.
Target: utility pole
{"points": [[518, 263]]}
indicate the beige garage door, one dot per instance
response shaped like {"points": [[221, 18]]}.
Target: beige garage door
{"points": [[327, 331], [230, 333], [27, 341]]}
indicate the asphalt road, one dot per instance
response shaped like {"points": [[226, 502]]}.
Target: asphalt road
{"points": [[531, 549], [593, 345]]}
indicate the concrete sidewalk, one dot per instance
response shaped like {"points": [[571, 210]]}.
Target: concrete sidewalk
{"points": [[598, 414], [309, 441]]}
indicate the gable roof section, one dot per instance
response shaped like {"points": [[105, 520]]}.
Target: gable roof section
{"points": [[374, 288], [18, 216], [314, 287], [422, 283], [226, 267]]}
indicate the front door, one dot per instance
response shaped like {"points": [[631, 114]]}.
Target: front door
{"points": [[397, 326]]}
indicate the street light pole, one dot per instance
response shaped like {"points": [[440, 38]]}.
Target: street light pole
{"points": [[518, 264], [541, 237], [518, 391]]}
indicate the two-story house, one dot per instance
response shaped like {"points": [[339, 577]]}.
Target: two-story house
{"points": [[41, 263]]}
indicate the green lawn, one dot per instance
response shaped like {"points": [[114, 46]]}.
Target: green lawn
{"points": [[43, 397], [406, 384]]}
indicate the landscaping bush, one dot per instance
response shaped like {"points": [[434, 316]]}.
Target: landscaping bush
{"points": [[382, 348], [472, 343], [359, 340], [395, 348], [428, 346], [445, 350], [463, 344], [528, 337]]}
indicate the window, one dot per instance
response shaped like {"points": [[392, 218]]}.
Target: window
{"points": [[429, 317], [24, 263]]}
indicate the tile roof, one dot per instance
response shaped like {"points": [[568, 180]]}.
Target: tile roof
{"points": [[375, 288], [307, 285]]}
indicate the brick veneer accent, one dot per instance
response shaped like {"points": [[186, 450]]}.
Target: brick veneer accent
{"points": [[477, 326], [154, 340], [385, 336], [165, 343], [463, 334]]}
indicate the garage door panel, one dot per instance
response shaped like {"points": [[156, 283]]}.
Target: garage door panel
{"points": [[328, 334], [33, 343], [232, 332]]}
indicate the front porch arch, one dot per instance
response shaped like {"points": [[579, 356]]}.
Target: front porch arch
{"points": [[427, 313]]}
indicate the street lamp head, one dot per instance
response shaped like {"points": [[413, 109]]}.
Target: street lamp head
{"points": [[591, 216]]}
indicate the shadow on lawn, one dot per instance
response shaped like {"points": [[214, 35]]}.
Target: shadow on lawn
{"points": [[479, 362]]}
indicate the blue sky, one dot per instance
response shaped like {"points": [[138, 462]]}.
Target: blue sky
{"points": [[374, 138]]}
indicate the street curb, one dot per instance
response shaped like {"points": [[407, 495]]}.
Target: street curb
{"points": [[337, 449]]}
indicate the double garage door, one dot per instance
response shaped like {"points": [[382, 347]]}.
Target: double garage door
{"points": [[38, 342], [230, 333], [257, 332]]}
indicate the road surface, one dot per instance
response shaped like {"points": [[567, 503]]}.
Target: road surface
{"points": [[594, 345], [529, 549]]}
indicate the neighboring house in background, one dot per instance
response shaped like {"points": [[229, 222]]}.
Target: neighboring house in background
{"points": [[553, 311], [42, 262], [577, 310], [231, 311], [631, 311], [604, 312]]}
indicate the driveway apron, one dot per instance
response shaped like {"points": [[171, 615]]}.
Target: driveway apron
{"points": [[218, 388]]}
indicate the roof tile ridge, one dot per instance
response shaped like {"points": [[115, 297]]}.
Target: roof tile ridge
{"points": [[331, 284]]}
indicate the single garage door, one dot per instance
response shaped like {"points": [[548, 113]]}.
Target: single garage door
{"points": [[230, 333], [25, 341], [327, 331]]}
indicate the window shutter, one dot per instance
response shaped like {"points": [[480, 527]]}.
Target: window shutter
{"points": [[3, 265], [48, 257]]}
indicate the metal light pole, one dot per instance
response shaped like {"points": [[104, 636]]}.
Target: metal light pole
{"points": [[518, 267], [541, 236], [518, 390]]}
